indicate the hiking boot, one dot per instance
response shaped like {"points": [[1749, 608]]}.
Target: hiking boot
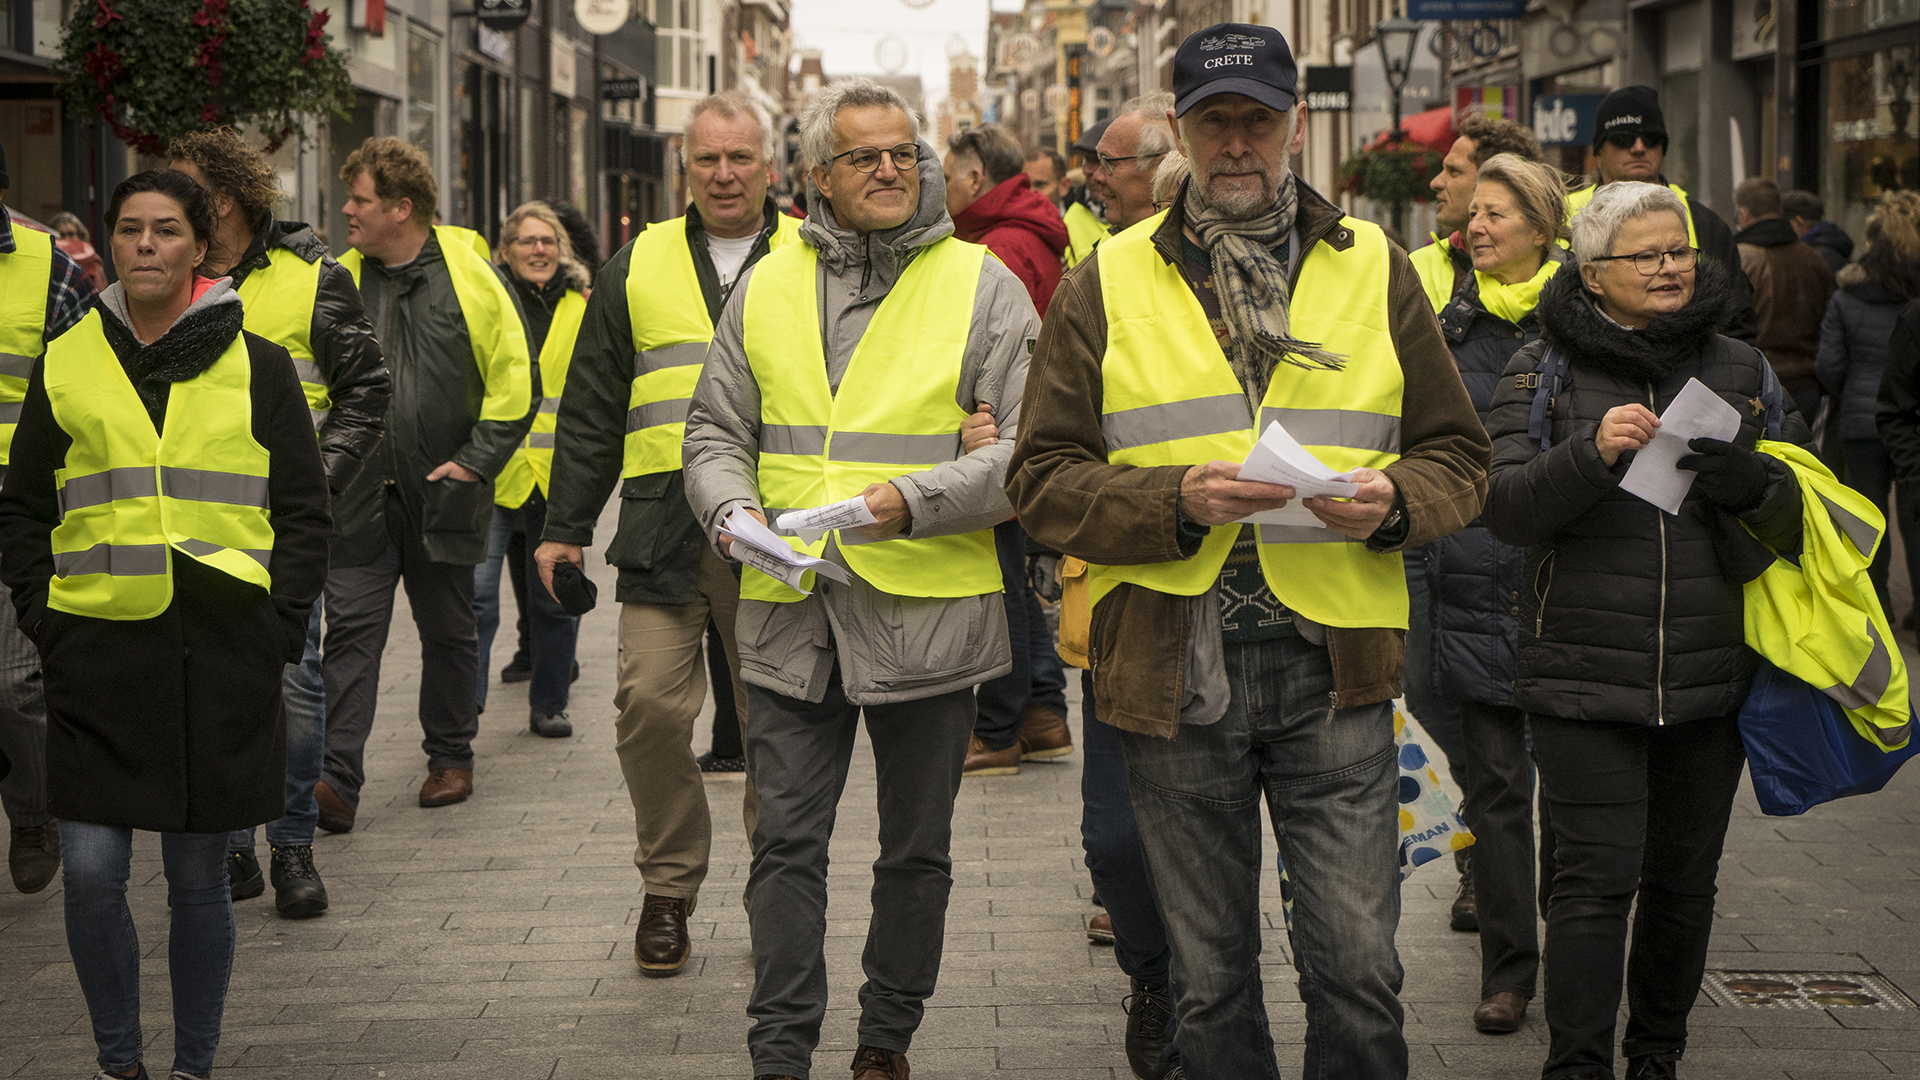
{"points": [[1465, 916], [1148, 1009], [984, 762], [243, 875], [298, 892], [34, 855], [1044, 734]]}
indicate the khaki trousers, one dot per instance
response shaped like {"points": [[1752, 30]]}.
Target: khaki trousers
{"points": [[663, 683]]}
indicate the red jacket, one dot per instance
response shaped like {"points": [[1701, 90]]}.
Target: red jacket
{"points": [[1023, 230]]}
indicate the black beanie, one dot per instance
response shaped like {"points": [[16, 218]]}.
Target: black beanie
{"points": [[1633, 109]]}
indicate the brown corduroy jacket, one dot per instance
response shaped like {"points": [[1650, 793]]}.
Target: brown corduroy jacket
{"points": [[1069, 497]]}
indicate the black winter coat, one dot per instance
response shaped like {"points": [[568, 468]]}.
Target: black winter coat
{"points": [[1627, 614], [1899, 406], [344, 350], [1473, 578], [1853, 349], [172, 723]]}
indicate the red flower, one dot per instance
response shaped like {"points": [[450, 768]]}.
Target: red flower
{"points": [[209, 113], [107, 15]]}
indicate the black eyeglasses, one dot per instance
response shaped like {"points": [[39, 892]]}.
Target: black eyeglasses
{"points": [[867, 158], [1650, 262], [1624, 140], [1111, 164]]}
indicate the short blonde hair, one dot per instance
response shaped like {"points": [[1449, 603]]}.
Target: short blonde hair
{"points": [[1539, 189], [400, 170], [1173, 172]]}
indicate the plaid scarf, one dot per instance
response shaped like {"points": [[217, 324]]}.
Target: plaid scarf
{"points": [[1252, 283]]}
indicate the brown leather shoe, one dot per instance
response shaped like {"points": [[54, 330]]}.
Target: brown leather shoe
{"points": [[33, 855], [873, 1063], [444, 787], [984, 762], [1100, 929], [1043, 734], [1500, 1014], [335, 815], [660, 945]]}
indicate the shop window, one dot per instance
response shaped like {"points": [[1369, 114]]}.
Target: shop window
{"points": [[1872, 128], [423, 90]]}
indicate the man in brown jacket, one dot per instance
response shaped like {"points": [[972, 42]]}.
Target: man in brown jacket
{"points": [[1240, 662], [1791, 284]]}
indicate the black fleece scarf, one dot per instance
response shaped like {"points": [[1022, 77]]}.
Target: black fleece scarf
{"points": [[188, 348], [1571, 320]]}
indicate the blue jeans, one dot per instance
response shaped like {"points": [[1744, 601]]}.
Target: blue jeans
{"points": [[303, 697], [552, 633], [1037, 676], [106, 950], [1331, 781]]}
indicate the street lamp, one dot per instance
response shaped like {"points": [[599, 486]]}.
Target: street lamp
{"points": [[1397, 37]]}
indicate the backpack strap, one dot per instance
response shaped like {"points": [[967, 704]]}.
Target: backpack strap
{"points": [[1545, 381], [1772, 397]]}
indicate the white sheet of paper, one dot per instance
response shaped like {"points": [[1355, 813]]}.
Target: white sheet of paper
{"points": [[1696, 412], [811, 524], [768, 552], [1278, 458]]}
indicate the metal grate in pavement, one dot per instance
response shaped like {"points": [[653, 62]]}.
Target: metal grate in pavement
{"points": [[1802, 990]]}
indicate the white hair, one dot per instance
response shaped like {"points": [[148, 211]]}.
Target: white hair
{"points": [[731, 104], [816, 123], [1156, 135], [1615, 204]]}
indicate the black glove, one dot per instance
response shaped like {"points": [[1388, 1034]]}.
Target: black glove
{"points": [[1731, 476], [574, 589]]}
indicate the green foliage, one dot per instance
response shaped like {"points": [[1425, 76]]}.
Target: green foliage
{"points": [[157, 69], [1392, 175]]}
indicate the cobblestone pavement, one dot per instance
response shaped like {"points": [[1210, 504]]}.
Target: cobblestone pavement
{"points": [[493, 939]]}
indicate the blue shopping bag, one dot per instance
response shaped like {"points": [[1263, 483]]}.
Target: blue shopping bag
{"points": [[1803, 751]]}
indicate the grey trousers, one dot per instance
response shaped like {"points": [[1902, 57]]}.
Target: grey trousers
{"points": [[359, 612], [798, 754], [23, 723]]}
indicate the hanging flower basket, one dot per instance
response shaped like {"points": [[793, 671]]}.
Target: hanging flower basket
{"points": [[1393, 175], [154, 70]]}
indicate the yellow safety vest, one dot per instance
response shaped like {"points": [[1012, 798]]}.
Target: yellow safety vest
{"points": [[279, 299], [130, 497], [1170, 398], [1434, 264], [25, 277], [1578, 199], [1084, 232], [1821, 621], [670, 335], [896, 412], [494, 333], [456, 234], [532, 464]]}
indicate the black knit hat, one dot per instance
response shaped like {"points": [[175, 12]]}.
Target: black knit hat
{"points": [[1088, 143], [1633, 109]]}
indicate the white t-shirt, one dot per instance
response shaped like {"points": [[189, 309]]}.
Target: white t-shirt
{"points": [[729, 256]]}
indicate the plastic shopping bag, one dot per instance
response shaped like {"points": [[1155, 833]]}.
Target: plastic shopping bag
{"points": [[1803, 751]]}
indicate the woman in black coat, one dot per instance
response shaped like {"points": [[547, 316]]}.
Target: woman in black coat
{"points": [[1517, 215], [1631, 660], [168, 722]]}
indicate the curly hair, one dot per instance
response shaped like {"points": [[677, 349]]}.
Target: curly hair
{"points": [[400, 170], [1892, 257], [1494, 135], [232, 168]]}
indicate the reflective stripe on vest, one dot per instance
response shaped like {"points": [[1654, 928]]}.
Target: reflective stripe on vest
{"points": [[494, 332], [25, 277], [1170, 398], [279, 299], [130, 497], [896, 412], [1084, 233], [1577, 201], [670, 335], [532, 464]]}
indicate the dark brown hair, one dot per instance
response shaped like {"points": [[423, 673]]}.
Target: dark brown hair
{"points": [[400, 170], [999, 153], [175, 185], [232, 168]]}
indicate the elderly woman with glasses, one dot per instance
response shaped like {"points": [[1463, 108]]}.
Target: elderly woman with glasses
{"points": [[1631, 663]]}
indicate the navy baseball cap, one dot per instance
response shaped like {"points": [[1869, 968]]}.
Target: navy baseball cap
{"points": [[1235, 58]]}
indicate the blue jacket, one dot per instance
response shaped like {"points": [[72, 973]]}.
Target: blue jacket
{"points": [[1853, 349]]}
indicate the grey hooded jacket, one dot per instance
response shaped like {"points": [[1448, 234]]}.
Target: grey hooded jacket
{"points": [[889, 648]]}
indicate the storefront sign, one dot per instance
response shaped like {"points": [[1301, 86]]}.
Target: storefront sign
{"points": [[620, 89], [560, 65], [1565, 119], [493, 43], [1435, 10], [504, 15], [1330, 89], [1470, 101], [601, 16]]}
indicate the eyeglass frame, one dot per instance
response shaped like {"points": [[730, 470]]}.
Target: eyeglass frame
{"points": [[1672, 253], [1108, 163], [881, 151], [529, 242], [1653, 140]]}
